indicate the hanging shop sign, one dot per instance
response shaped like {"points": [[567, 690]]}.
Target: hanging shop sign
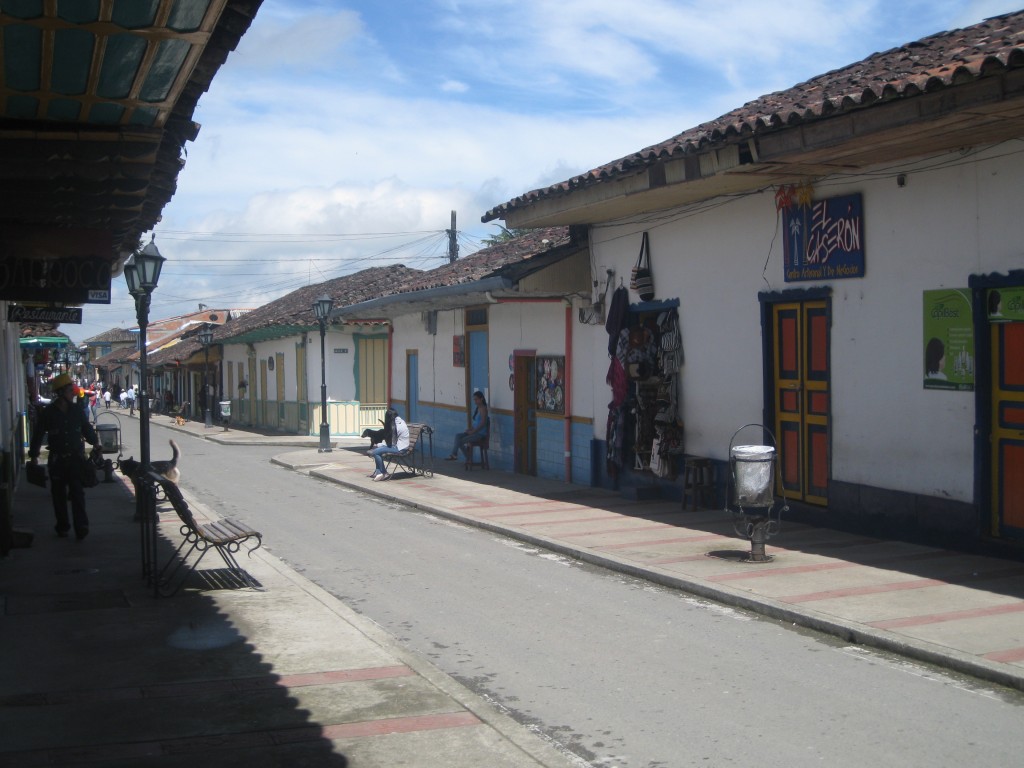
{"points": [[824, 239], [70, 281], [948, 339], [1005, 304], [16, 313]]}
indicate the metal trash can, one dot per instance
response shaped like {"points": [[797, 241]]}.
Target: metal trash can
{"points": [[110, 437], [225, 409], [752, 470]]}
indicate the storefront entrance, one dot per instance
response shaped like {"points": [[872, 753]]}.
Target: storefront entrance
{"points": [[1007, 459], [800, 384]]}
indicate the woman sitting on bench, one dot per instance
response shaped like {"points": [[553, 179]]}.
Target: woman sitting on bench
{"points": [[476, 432], [400, 438]]}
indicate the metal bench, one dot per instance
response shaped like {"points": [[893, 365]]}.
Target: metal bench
{"points": [[225, 535], [418, 458]]}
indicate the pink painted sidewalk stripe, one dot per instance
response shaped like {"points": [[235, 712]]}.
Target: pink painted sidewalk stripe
{"points": [[793, 569], [500, 510], [867, 590], [1008, 656], [619, 529], [656, 542], [670, 560], [207, 745], [936, 618], [261, 682], [400, 725], [596, 519]]}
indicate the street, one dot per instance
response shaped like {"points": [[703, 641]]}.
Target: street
{"points": [[618, 671]]}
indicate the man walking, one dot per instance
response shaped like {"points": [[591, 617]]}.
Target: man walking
{"points": [[65, 424]]}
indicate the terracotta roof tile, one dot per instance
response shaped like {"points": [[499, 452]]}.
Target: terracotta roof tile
{"points": [[486, 261], [932, 63], [112, 335], [296, 308]]}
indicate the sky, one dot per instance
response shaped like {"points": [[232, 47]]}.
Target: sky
{"points": [[341, 135]]}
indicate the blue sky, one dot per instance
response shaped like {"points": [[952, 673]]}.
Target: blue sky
{"points": [[340, 135]]}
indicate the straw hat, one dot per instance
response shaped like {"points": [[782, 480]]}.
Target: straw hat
{"points": [[57, 383]]}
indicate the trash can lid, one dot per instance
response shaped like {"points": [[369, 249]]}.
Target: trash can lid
{"points": [[752, 452], [106, 427]]}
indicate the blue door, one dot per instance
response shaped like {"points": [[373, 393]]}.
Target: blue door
{"points": [[412, 385], [478, 369]]}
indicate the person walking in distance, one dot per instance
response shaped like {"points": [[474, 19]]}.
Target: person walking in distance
{"points": [[65, 424]]}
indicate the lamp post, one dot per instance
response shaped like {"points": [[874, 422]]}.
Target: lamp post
{"points": [[322, 308], [206, 339], [142, 272]]}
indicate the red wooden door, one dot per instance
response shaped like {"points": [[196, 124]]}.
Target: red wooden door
{"points": [[802, 398], [1008, 429]]}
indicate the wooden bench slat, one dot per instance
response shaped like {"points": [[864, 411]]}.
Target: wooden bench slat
{"points": [[225, 535]]}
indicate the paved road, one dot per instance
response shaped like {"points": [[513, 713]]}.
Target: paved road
{"points": [[621, 672]]}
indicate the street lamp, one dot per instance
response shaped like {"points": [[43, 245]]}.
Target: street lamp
{"points": [[206, 339], [322, 308], [142, 272]]}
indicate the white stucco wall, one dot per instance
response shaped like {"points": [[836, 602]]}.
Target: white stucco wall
{"points": [[517, 325], [955, 216]]}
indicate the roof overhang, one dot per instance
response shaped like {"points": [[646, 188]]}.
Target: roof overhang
{"points": [[96, 105], [984, 111]]}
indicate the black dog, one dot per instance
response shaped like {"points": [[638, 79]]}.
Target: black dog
{"points": [[168, 467], [378, 436]]}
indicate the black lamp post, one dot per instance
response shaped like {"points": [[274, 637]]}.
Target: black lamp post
{"points": [[142, 272], [322, 308], [206, 339]]}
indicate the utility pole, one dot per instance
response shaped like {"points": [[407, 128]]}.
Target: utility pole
{"points": [[453, 244]]}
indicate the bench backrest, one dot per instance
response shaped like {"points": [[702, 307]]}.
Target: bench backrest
{"points": [[174, 496], [414, 435]]}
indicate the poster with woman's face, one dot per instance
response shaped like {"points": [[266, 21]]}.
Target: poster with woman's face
{"points": [[948, 339]]}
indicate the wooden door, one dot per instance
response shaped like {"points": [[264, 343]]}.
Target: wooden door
{"points": [[279, 387], [412, 385], [802, 398], [525, 439], [1007, 429]]}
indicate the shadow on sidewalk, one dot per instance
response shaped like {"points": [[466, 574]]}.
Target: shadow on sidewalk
{"points": [[97, 670]]}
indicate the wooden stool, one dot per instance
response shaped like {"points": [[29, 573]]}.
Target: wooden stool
{"points": [[698, 482], [484, 446]]}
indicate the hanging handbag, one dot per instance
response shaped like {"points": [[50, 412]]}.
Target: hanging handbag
{"points": [[35, 474], [86, 467], [642, 280]]}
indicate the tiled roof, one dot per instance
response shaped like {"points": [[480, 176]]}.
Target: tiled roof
{"points": [[295, 310], [113, 335], [925, 66], [486, 261], [30, 330]]}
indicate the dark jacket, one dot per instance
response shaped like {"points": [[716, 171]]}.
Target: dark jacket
{"points": [[64, 431]]}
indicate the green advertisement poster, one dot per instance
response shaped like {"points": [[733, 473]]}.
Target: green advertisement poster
{"points": [[1005, 304], [948, 340]]}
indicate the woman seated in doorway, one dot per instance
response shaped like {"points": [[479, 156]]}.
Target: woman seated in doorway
{"points": [[399, 442], [476, 432]]}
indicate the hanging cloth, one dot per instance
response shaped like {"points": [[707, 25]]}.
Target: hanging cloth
{"points": [[618, 314]]}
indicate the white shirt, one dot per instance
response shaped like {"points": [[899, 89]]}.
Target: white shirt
{"points": [[401, 434]]}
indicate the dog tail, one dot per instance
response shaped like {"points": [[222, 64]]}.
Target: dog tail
{"points": [[175, 453]]}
